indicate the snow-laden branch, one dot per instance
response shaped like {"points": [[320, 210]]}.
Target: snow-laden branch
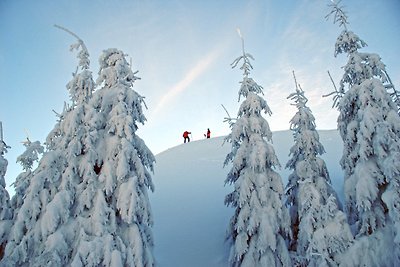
{"points": [[338, 94], [141, 99], [66, 109], [80, 41], [298, 97], [228, 119], [84, 54]]}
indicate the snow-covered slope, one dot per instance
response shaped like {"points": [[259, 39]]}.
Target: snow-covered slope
{"points": [[188, 203]]}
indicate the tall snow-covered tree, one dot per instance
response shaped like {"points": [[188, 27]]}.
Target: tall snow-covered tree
{"points": [[26, 159], [5, 208], [46, 227], [370, 128], [261, 222], [320, 229], [114, 208], [87, 202]]}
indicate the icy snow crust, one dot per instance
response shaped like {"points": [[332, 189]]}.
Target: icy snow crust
{"points": [[190, 218]]}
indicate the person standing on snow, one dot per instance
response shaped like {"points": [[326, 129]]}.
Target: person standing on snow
{"points": [[208, 134], [186, 136]]}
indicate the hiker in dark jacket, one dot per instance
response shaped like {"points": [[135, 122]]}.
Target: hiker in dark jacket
{"points": [[208, 134]]}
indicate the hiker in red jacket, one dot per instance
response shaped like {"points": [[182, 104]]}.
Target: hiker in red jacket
{"points": [[186, 136], [208, 134]]}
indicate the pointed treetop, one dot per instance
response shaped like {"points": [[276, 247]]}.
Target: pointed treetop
{"points": [[299, 98], [295, 82], [348, 41], [246, 66], [241, 37], [26, 142], [82, 85], [338, 14], [83, 55], [31, 154], [248, 84]]}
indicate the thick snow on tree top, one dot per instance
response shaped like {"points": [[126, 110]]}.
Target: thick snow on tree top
{"points": [[190, 217]]}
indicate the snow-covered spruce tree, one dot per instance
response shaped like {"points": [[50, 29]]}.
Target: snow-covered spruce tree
{"points": [[261, 222], [46, 227], [26, 159], [5, 208], [114, 208], [87, 204], [320, 229], [370, 128]]}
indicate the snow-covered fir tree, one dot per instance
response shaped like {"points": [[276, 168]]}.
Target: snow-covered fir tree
{"points": [[26, 159], [46, 227], [114, 207], [261, 223], [320, 229], [5, 208], [370, 128], [87, 202]]}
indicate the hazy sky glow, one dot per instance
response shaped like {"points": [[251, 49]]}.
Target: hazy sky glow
{"points": [[183, 51]]}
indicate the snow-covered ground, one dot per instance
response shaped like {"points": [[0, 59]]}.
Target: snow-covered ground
{"points": [[190, 218]]}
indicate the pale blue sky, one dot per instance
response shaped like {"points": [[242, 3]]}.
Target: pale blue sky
{"points": [[183, 51]]}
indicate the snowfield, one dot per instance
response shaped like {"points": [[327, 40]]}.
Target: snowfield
{"points": [[190, 218]]}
